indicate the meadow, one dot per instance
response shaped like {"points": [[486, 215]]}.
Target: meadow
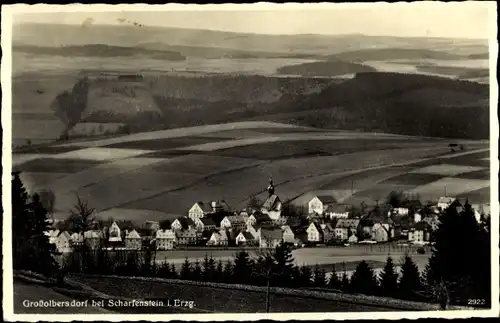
{"points": [[167, 171]]}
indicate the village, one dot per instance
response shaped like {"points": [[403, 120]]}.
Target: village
{"points": [[215, 224]]}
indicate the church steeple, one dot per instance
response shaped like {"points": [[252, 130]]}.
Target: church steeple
{"points": [[270, 188]]}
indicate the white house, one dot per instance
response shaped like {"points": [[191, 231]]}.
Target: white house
{"points": [[244, 238], [234, 222], [314, 233], [353, 239], [218, 239], [63, 242], [445, 202], [115, 233], [380, 233], [52, 234], [165, 239], [204, 224], [319, 204], [288, 235], [254, 231], [420, 233]]}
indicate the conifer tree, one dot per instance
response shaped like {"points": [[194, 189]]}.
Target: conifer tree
{"points": [[334, 281], [410, 284], [345, 282], [306, 276], [242, 268], [164, 270], [319, 276], [208, 268], [461, 259], [20, 222], [389, 279], [363, 280], [186, 270], [219, 272], [197, 273], [173, 272], [227, 276], [43, 250], [283, 263]]}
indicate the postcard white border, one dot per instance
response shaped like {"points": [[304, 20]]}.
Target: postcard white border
{"points": [[6, 39]]}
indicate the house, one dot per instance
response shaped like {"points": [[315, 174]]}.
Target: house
{"points": [[270, 238], [165, 239], [272, 206], [345, 228], [187, 237], [115, 233], [407, 207], [218, 239], [244, 239], [200, 210], [151, 225], [353, 239], [204, 224], [259, 218], [417, 216], [339, 211], [420, 233], [288, 235], [182, 223], [234, 222], [365, 228], [319, 204], [76, 239], [328, 232], [63, 242], [380, 233], [133, 240], [314, 233], [93, 238], [444, 202]]}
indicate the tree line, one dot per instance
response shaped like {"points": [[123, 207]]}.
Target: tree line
{"points": [[459, 268]]}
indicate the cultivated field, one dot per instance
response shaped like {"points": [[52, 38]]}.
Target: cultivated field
{"points": [[167, 171]]}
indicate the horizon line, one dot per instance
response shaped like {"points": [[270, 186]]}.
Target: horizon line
{"points": [[243, 33]]}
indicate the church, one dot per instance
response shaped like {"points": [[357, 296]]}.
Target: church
{"points": [[272, 206]]}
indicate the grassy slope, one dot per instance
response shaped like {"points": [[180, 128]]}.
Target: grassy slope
{"points": [[329, 68]]}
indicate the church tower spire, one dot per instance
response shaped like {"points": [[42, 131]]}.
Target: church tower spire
{"points": [[270, 188]]}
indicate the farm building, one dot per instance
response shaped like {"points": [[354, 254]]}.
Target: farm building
{"points": [[218, 239], [234, 222], [259, 218], [187, 237], [204, 224]]}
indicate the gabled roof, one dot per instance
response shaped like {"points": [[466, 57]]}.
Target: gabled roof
{"points": [[275, 234], [271, 203], [64, 234], [247, 235], [315, 225], [328, 227], [207, 221], [205, 206], [237, 219], [326, 199], [132, 235], [337, 208], [261, 217]]}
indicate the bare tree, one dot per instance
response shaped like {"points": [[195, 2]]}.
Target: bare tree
{"points": [[81, 215]]}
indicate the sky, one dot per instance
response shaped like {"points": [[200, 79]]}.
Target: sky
{"points": [[429, 19]]}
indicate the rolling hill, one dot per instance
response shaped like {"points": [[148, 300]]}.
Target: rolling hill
{"points": [[383, 54], [99, 50], [125, 35], [328, 68]]}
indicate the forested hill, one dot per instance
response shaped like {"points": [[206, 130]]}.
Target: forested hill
{"points": [[396, 103]]}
